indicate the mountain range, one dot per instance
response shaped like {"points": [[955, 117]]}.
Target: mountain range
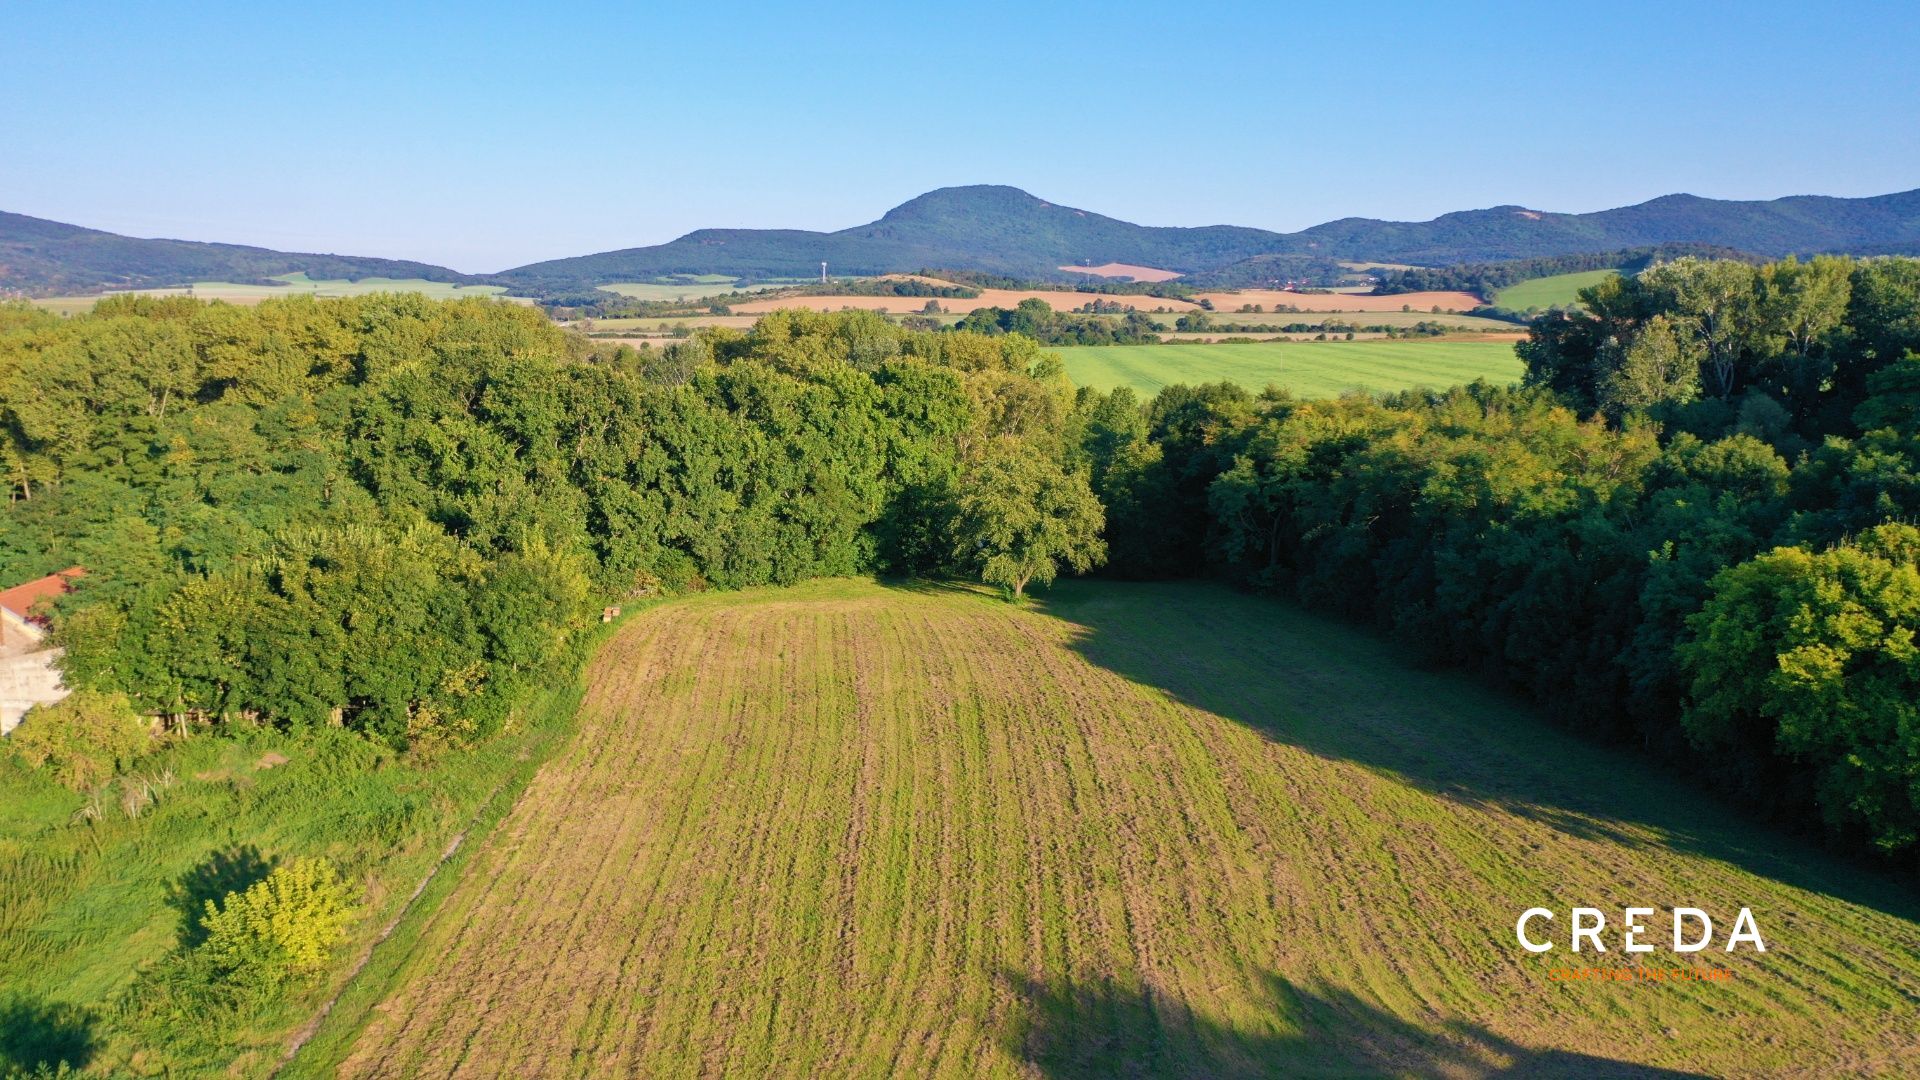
{"points": [[45, 258], [1006, 230]]}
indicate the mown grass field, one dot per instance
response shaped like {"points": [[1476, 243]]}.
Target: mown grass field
{"points": [[849, 829], [1560, 290], [1307, 368]]}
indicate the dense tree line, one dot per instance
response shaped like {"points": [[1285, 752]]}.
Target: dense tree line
{"points": [[1035, 318], [889, 286], [1690, 529], [1271, 271], [1687, 532], [1486, 279], [980, 279], [395, 515], [1205, 322]]}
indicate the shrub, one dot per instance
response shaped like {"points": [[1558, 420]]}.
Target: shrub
{"points": [[282, 926], [83, 739], [1814, 654]]}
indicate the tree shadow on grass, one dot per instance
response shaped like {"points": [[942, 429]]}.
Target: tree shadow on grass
{"points": [[1341, 693], [223, 872], [943, 587], [1075, 1030], [34, 1034]]}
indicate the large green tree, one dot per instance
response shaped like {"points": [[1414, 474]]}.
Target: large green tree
{"points": [[1815, 652], [1021, 517]]}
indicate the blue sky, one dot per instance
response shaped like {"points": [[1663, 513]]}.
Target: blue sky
{"points": [[485, 135]]}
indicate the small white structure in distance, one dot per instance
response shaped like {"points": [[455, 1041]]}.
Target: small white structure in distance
{"points": [[29, 669]]}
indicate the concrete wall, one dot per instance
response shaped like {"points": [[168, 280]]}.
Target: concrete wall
{"points": [[27, 679]]}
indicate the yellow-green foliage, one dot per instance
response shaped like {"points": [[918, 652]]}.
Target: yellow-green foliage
{"points": [[81, 740], [285, 924], [1814, 652], [1310, 369]]}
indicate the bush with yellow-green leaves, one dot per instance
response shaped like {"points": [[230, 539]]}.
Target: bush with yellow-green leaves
{"points": [[282, 926], [83, 739]]}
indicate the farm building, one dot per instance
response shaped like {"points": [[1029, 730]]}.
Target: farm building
{"points": [[29, 672]]}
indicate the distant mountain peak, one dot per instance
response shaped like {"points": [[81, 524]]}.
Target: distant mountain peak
{"points": [[969, 199], [999, 228]]}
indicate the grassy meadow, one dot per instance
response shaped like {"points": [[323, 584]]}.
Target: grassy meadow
{"points": [[852, 829], [1307, 368], [86, 905], [1559, 290]]}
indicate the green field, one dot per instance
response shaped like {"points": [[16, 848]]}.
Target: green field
{"points": [[1560, 290], [292, 285], [1307, 368], [848, 829]]}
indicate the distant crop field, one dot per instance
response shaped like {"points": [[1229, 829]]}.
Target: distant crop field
{"points": [[848, 829], [292, 285], [1396, 317], [1058, 299], [1227, 304], [691, 290], [660, 325], [1357, 299], [1560, 290], [1307, 368], [1124, 270], [74, 305]]}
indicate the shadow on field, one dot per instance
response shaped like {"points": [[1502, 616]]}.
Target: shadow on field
{"points": [[1104, 1031], [38, 1033], [1341, 693], [223, 872]]}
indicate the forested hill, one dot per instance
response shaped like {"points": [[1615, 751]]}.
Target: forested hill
{"points": [[984, 227], [40, 257], [1797, 225], [1007, 230]]}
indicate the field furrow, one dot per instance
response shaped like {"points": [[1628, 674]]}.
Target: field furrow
{"points": [[851, 829]]}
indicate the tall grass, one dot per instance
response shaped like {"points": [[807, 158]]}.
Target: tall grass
{"points": [[99, 889]]}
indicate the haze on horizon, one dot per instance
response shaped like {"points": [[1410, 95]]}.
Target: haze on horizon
{"points": [[487, 136]]}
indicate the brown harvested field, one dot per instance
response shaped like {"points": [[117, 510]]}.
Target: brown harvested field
{"points": [[1225, 302], [1128, 270], [921, 278], [849, 829], [1180, 336], [1343, 301], [1059, 300]]}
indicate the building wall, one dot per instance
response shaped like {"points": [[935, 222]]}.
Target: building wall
{"points": [[27, 679]]}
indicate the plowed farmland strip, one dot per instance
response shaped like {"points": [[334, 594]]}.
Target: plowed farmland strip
{"points": [[847, 829]]}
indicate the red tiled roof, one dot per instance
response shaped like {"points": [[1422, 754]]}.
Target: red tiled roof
{"points": [[21, 598]]}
